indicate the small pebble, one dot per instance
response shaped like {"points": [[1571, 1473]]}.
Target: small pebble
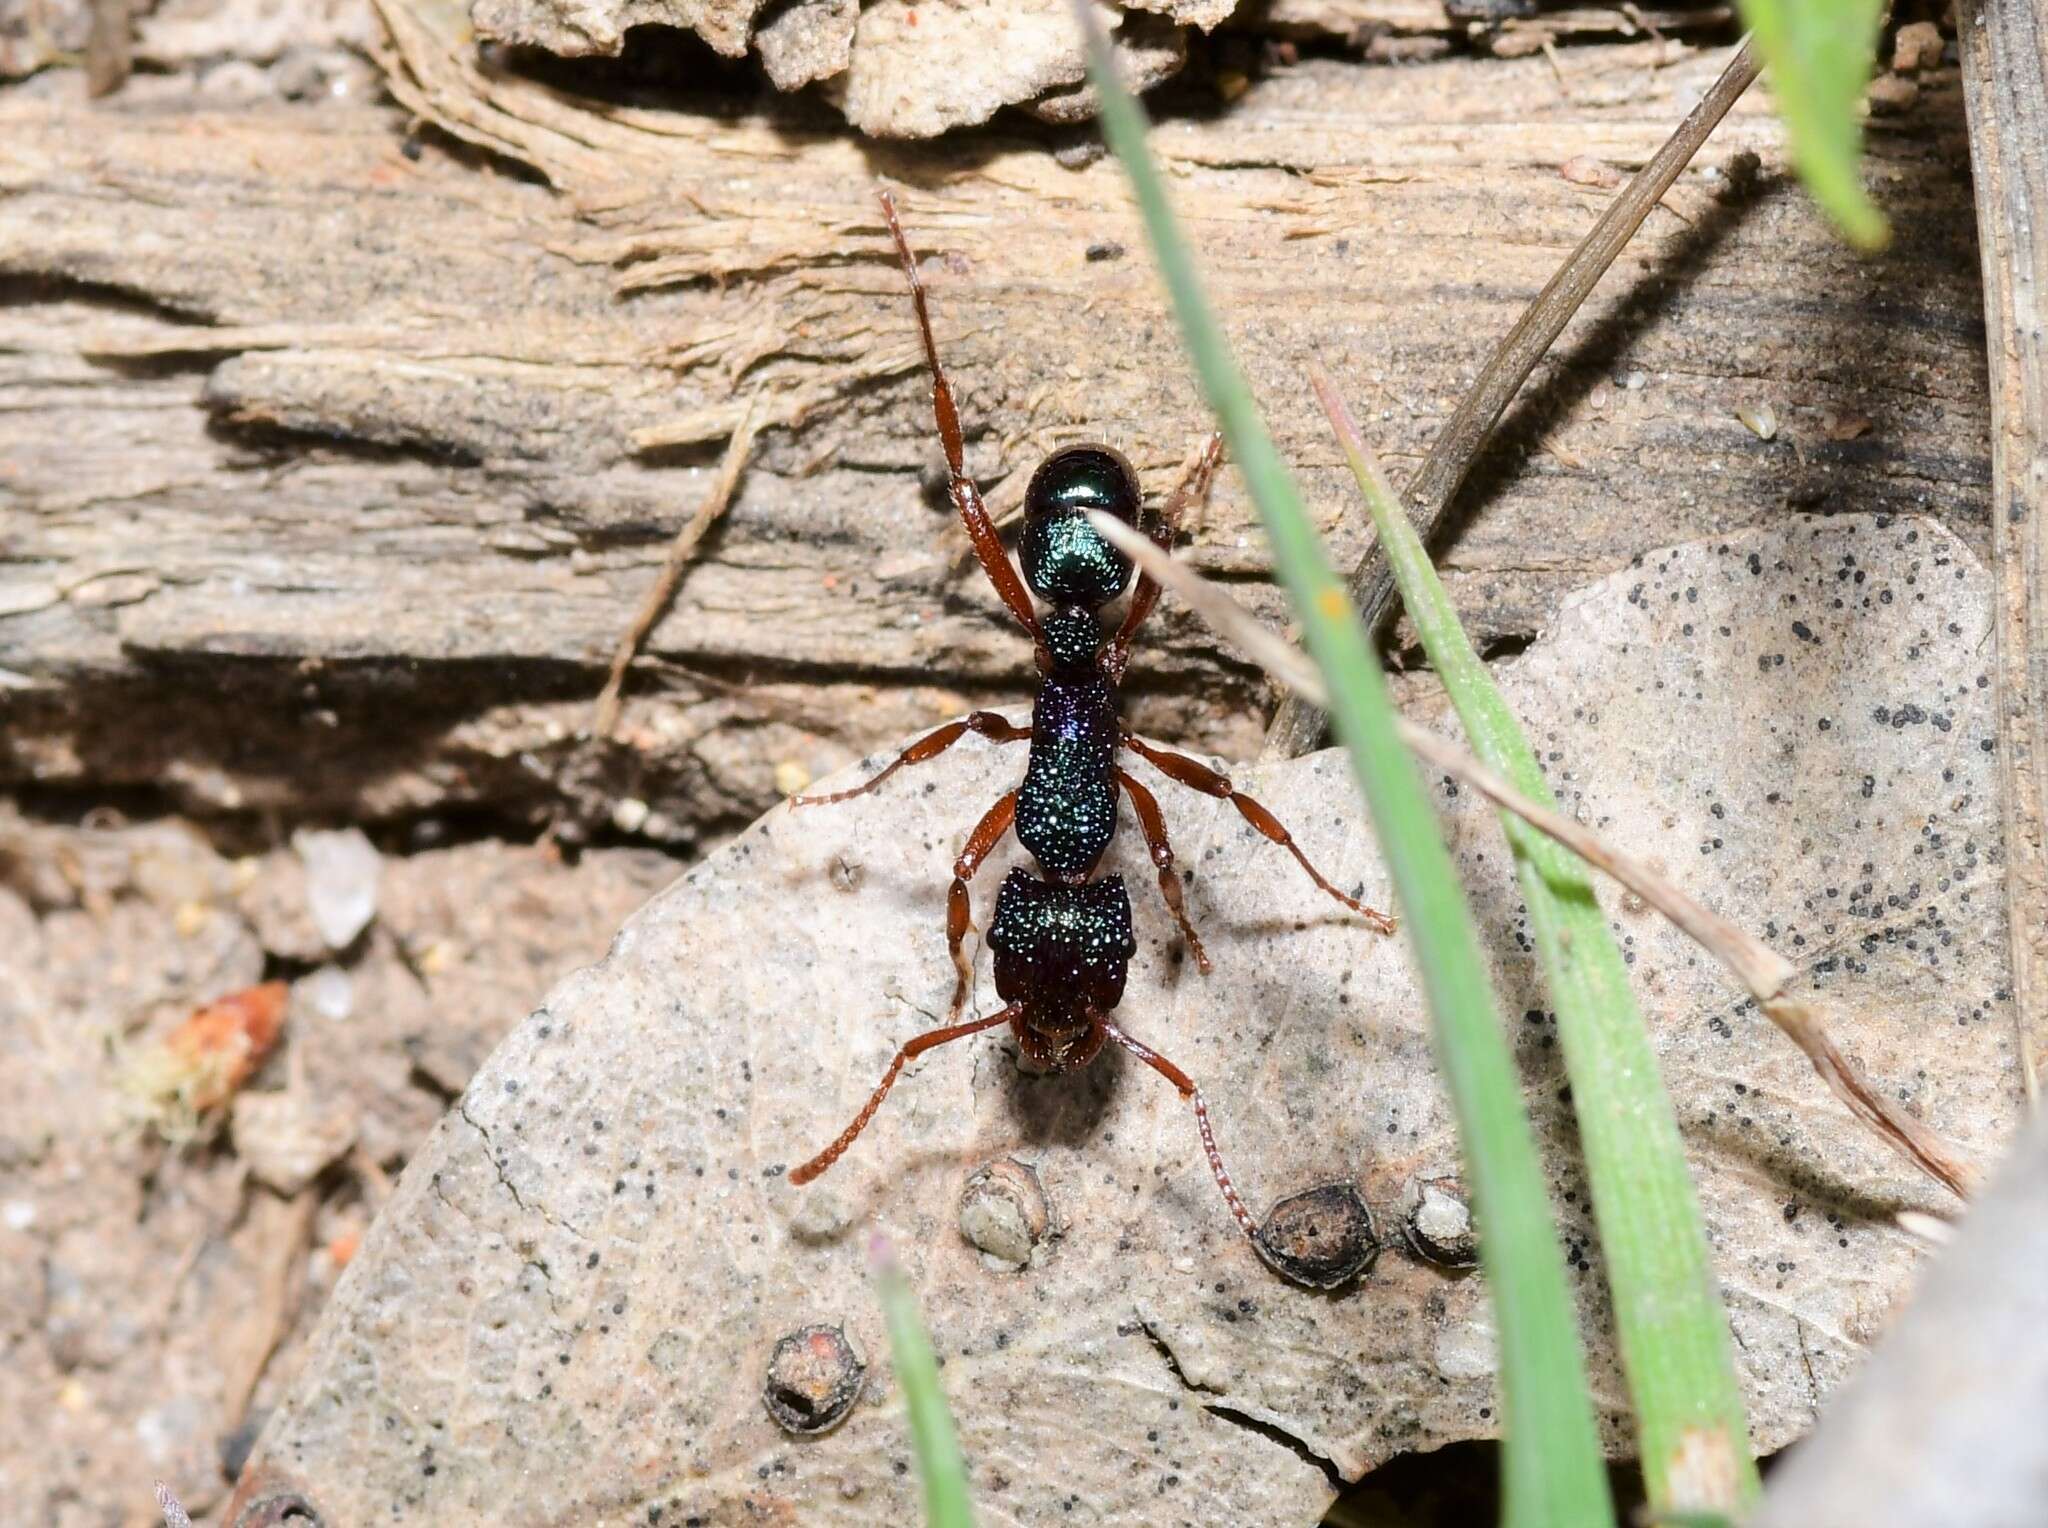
{"points": [[332, 992], [1892, 95], [343, 874], [1918, 46]]}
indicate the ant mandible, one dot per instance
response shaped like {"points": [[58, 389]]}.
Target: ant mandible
{"points": [[1062, 941]]}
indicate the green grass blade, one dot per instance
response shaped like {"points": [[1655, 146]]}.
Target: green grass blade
{"points": [[1818, 54], [939, 1463], [1691, 1432], [1552, 1469]]}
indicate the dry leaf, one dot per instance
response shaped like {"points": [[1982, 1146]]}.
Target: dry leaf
{"points": [[575, 1291]]}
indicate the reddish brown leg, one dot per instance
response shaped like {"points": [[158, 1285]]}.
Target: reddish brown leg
{"points": [[986, 835], [984, 723], [1193, 1095], [981, 530], [1153, 825], [1198, 776], [911, 1050], [1192, 488]]}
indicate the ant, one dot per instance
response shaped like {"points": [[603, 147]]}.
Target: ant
{"points": [[1062, 940]]}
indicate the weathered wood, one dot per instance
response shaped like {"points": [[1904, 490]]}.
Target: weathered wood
{"points": [[1298, 726], [2005, 78], [897, 69], [387, 448]]}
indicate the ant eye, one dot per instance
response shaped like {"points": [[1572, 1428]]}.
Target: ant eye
{"points": [[1065, 561]]}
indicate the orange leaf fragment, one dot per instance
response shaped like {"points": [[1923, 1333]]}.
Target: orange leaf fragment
{"points": [[227, 1040]]}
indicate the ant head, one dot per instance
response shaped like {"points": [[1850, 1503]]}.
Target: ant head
{"points": [[1065, 561]]}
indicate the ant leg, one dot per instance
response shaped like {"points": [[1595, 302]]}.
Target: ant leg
{"points": [[1193, 1095], [910, 1051], [981, 530], [984, 723], [1153, 824], [1198, 776], [986, 835], [1193, 488]]}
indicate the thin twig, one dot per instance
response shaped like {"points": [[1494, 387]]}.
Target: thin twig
{"points": [[1298, 726], [109, 47], [290, 1225], [175, 1515], [376, 1183], [1761, 969], [606, 715]]}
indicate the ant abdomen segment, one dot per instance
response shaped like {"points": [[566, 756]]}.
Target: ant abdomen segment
{"points": [[1062, 940], [1062, 951]]}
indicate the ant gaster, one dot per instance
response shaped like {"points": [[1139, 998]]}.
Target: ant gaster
{"points": [[1062, 940]]}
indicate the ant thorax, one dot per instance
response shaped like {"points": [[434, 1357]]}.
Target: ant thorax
{"points": [[1073, 639], [1066, 805]]}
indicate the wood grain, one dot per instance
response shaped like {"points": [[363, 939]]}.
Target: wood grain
{"points": [[2005, 78], [333, 461]]}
